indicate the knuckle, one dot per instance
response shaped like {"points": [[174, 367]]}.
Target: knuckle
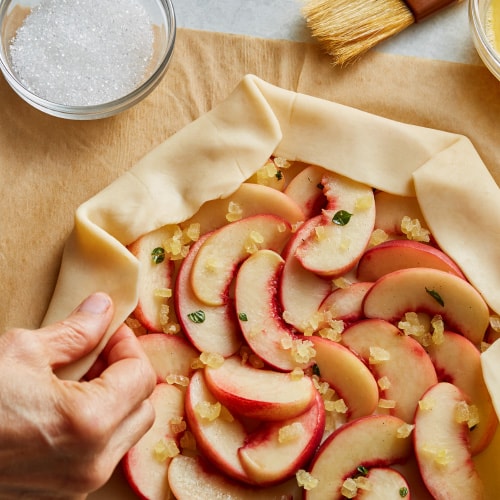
{"points": [[21, 343], [70, 331]]}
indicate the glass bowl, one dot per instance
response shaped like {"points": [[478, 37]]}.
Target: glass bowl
{"points": [[480, 21], [161, 23]]}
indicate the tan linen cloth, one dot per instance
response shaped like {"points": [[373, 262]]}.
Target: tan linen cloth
{"points": [[50, 167]]}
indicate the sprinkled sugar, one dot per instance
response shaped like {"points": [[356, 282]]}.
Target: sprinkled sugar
{"points": [[83, 52]]}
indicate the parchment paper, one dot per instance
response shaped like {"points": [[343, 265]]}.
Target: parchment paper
{"points": [[49, 166]]}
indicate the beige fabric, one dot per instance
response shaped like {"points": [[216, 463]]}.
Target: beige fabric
{"points": [[51, 169]]}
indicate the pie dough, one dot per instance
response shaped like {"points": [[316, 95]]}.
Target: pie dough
{"points": [[212, 156]]}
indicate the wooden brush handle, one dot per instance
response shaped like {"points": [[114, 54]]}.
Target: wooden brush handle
{"points": [[423, 8]]}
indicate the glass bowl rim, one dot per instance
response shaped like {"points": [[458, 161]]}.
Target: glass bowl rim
{"points": [[487, 52], [102, 110]]}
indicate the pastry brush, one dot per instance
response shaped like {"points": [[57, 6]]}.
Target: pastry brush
{"points": [[348, 28]]}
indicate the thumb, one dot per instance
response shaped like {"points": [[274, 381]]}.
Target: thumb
{"points": [[74, 337]]}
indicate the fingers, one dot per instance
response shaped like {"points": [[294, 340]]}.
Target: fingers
{"points": [[130, 431], [110, 412], [116, 385], [75, 336], [129, 375]]}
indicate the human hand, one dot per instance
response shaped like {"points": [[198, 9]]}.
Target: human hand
{"points": [[60, 438]]}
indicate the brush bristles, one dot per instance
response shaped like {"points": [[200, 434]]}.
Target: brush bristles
{"points": [[348, 28]]}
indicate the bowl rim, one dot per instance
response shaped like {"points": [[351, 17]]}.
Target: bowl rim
{"points": [[489, 55], [102, 110]]}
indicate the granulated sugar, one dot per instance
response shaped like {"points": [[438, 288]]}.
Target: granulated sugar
{"points": [[83, 52]]}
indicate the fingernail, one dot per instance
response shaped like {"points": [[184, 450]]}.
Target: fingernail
{"points": [[98, 303]]}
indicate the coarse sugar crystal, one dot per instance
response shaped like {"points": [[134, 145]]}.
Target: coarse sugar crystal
{"points": [[83, 52]]}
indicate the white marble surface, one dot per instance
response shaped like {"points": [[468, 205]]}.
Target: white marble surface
{"points": [[444, 36]]}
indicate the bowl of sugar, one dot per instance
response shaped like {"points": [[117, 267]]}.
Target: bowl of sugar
{"points": [[85, 59]]}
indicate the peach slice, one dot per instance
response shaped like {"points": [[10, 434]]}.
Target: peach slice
{"points": [[301, 291], [259, 393], [155, 274], [392, 208], [145, 465], [168, 354], [209, 328], [375, 441], [340, 234], [386, 484], [449, 358], [276, 450], [258, 312], [346, 304], [217, 437], [306, 189], [226, 248], [395, 358], [441, 442], [433, 292], [195, 478], [347, 375], [401, 254], [248, 200]]}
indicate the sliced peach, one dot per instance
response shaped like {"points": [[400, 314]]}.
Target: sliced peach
{"points": [[306, 189], [392, 208], [441, 442], [216, 330], [276, 450], [168, 354], [386, 484], [342, 231], [449, 358], [223, 251], [301, 291], [346, 304], [218, 438], [398, 361], [259, 393], [368, 442], [195, 478], [433, 292], [401, 254], [155, 274], [145, 464], [248, 200], [347, 375], [258, 311]]}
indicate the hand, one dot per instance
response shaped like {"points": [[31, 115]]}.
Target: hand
{"points": [[63, 439]]}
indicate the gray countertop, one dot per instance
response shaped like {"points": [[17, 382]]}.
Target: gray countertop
{"points": [[444, 36]]}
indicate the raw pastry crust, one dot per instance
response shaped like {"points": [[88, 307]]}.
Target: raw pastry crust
{"points": [[212, 156]]}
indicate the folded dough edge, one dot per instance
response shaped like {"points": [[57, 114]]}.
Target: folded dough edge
{"points": [[209, 158]]}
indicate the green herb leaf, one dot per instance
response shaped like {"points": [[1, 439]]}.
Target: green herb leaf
{"points": [[403, 491], [158, 255], [315, 370], [197, 316], [362, 470], [279, 175], [243, 317], [342, 218], [435, 296]]}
